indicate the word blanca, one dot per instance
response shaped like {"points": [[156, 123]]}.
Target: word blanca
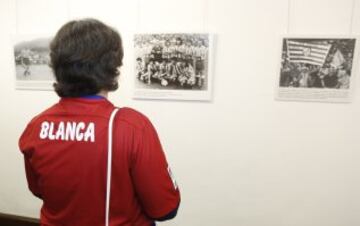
{"points": [[68, 131]]}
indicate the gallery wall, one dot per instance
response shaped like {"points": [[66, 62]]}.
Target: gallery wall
{"points": [[242, 158]]}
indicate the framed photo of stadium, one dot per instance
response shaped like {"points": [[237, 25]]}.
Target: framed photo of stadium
{"points": [[173, 66], [317, 68], [31, 57]]}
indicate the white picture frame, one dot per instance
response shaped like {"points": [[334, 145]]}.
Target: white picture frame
{"points": [[317, 68], [31, 62]]}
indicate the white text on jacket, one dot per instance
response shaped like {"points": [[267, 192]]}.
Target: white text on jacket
{"points": [[68, 131]]}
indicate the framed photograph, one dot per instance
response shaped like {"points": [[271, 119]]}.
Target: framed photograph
{"points": [[173, 66], [31, 56], [317, 68]]}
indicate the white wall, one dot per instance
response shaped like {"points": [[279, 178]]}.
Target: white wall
{"points": [[242, 159]]}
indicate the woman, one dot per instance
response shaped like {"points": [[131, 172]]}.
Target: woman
{"points": [[65, 147]]}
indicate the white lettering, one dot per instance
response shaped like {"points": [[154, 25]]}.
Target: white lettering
{"points": [[79, 134], [90, 132], [51, 130], [44, 130], [70, 131], [60, 132]]}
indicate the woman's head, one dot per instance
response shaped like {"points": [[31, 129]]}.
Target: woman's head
{"points": [[85, 57]]}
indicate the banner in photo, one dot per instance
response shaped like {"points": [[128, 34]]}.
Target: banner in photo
{"points": [[317, 69]]}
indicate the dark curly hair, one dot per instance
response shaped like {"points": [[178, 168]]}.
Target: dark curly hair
{"points": [[85, 57]]}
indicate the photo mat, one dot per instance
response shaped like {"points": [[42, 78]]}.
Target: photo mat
{"points": [[32, 59], [317, 68]]}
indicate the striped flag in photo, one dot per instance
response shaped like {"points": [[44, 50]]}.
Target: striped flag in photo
{"points": [[307, 52]]}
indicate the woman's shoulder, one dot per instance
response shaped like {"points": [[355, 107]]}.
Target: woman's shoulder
{"points": [[43, 113], [133, 117]]}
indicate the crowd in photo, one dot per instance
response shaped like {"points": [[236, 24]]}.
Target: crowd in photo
{"points": [[334, 73], [176, 60]]}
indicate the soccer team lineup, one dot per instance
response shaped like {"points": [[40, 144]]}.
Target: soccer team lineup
{"points": [[176, 61]]}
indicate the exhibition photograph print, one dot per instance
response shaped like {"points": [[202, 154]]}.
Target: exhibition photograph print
{"points": [[173, 66], [31, 55], [317, 69]]}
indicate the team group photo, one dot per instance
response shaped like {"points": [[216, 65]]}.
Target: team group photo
{"points": [[171, 61]]}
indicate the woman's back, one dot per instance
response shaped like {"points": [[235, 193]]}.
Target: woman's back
{"points": [[66, 157]]}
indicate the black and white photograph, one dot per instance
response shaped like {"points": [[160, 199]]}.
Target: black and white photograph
{"points": [[317, 69], [32, 60], [172, 66]]}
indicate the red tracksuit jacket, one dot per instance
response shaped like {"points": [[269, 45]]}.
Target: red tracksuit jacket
{"points": [[65, 150]]}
